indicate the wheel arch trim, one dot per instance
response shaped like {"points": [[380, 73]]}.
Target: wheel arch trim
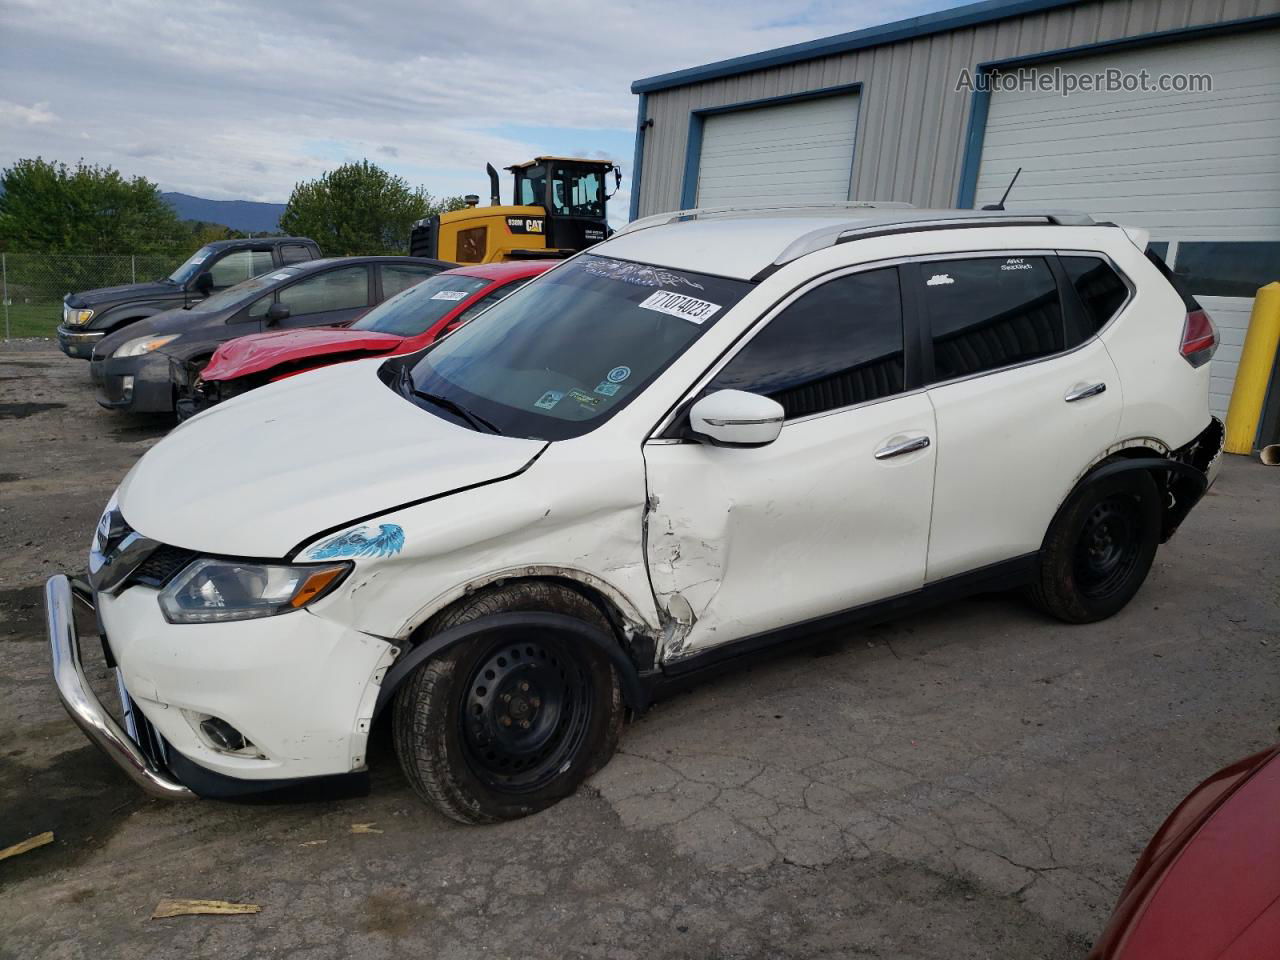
{"points": [[634, 691], [631, 616]]}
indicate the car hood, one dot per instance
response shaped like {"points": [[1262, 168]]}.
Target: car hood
{"points": [[266, 472], [129, 291], [253, 354], [1213, 889]]}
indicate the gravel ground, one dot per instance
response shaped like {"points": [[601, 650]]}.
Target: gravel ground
{"points": [[972, 782]]}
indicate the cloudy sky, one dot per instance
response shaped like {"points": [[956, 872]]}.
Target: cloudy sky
{"points": [[240, 99]]}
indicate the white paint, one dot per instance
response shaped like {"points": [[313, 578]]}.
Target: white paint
{"points": [[800, 152], [696, 545], [1184, 166], [268, 469]]}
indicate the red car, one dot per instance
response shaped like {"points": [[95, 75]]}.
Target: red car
{"points": [[1208, 885], [404, 323]]}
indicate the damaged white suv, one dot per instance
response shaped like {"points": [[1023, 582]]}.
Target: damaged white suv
{"points": [[714, 432]]}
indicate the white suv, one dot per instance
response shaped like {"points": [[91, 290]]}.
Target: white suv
{"points": [[714, 432]]}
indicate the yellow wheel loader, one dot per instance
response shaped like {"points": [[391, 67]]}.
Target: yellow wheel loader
{"points": [[558, 209]]}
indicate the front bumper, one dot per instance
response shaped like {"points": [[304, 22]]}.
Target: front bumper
{"points": [[78, 342], [121, 744], [136, 384], [300, 688]]}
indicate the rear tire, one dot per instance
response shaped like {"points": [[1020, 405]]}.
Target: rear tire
{"points": [[494, 729], [1099, 548]]}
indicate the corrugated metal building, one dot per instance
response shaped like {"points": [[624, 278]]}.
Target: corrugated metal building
{"points": [[940, 110]]}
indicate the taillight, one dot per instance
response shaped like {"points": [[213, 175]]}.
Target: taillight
{"points": [[1199, 338]]}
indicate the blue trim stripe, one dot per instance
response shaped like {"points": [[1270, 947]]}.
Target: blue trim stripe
{"points": [[981, 103], [637, 160], [693, 149], [967, 16]]}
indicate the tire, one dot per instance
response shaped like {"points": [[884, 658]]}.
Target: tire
{"points": [[493, 730], [1099, 548]]}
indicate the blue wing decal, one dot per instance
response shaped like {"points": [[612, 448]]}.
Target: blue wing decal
{"points": [[361, 542]]}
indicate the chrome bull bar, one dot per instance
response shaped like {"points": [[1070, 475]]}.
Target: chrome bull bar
{"points": [[83, 704]]}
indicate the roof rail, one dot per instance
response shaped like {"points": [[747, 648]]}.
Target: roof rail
{"points": [[843, 233], [704, 213]]}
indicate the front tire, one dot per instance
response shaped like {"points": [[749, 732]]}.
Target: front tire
{"points": [[494, 728], [1099, 548]]}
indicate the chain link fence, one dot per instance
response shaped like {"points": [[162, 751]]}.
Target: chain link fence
{"points": [[32, 285]]}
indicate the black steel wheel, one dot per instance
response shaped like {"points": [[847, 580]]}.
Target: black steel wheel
{"points": [[527, 710], [1109, 545], [506, 724], [1099, 548]]}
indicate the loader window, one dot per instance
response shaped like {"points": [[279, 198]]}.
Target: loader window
{"points": [[576, 192]]}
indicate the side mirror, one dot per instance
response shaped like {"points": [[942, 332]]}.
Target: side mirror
{"points": [[735, 418], [277, 312], [203, 283]]}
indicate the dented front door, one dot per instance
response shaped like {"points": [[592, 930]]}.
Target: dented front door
{"points": [[832, 515]]}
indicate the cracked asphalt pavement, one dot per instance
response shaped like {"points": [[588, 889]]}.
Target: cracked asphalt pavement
{"points": [[975, 781]]}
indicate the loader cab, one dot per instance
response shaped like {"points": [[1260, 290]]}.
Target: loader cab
{"points": [[572, 191], [558, 208]]}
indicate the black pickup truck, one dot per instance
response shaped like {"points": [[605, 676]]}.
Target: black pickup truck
{"points": [[89, 316]]}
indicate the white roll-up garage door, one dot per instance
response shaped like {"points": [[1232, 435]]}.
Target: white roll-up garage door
{"points": [[1200, 170], [798, 152]]}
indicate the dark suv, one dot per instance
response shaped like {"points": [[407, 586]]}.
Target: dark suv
{"points": [[90, 315]]}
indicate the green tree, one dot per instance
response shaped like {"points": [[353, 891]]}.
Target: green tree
{"points": [[359, 209], [48, 207]]}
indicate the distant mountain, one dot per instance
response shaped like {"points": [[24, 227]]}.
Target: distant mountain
{"points": [[246, 215]]}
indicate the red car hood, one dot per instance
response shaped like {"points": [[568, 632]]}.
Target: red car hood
{"points": [[262, 351], [1208, 886]]}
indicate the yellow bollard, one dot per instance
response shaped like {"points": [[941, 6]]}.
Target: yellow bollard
{"points": [[1254, 373]]}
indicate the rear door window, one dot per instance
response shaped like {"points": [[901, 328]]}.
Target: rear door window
{"points": [[238, 266], [346, 288], [840, 344], [989, 312], [294, 253], [397, 277]]}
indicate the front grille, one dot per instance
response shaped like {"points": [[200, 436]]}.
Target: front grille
{"points": [[162, 565]]}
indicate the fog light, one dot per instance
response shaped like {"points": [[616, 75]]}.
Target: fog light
{"points": [[126, 388], [223, 735]]}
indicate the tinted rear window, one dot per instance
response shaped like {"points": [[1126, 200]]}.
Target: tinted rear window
{"points": [[1102, 293]]}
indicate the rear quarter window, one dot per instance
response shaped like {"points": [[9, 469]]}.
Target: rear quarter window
{"points": [[1101, 291]]}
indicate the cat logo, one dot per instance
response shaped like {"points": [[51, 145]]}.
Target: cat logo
{"points": [[525, 224]]}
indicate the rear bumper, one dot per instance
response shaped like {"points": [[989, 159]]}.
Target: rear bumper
{"points": [[78, 343], [121, 744]]}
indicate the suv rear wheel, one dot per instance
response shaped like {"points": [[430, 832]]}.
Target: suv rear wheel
{"points": [[1099, 548], [495, 728]]}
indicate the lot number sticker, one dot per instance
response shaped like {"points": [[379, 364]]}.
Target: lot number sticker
{"points": [[450, 295], [678, 305]]}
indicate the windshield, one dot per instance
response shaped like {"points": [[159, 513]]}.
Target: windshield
{"points": [[417, 309], [189, 269], [561, 355], [242, 292]]}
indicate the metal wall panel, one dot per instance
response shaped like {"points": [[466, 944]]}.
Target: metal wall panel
{"points": [[913, 121]]}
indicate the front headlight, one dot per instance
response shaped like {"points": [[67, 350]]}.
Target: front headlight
{"points": [[140, 345], [75, 317], [214, 591]]}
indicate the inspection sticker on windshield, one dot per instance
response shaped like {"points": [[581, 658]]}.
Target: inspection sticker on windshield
{"points": [[678, 305], [549, 399], [280, 276], [450, 295]]}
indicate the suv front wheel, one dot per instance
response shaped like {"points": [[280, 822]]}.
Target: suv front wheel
{"points": [[1099, 548], [498, 727]]}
